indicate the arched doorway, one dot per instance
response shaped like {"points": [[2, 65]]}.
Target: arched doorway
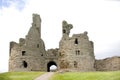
{"points": [[51, 66]]}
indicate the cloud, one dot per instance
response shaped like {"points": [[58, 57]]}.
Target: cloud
{"points": [[19, 4]]}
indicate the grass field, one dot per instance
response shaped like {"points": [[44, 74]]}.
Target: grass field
{"points": [[115, 75], [19, 75]]}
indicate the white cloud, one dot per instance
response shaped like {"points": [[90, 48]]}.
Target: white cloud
{"points": [[19, 4], [100, 18]]}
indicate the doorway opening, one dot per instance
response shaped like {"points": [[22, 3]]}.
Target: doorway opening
{"points": [[25, 64], [51, 66]]}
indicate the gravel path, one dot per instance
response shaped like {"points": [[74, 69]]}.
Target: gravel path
{"points": [[45, 76]]}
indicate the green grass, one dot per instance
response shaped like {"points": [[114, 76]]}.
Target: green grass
{"points": [[113, 75], [19, 75]]}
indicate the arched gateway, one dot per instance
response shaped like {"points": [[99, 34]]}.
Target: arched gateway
{"points": [[50, 64]]}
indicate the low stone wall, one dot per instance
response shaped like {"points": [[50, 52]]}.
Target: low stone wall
{"points": [[108, 64]]}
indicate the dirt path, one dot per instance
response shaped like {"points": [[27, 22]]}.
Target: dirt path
{"points": [[45, 76]]}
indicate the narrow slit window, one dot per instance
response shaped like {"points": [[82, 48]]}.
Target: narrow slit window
{"points": [[76, 41], [78, 52], [37, 45]]}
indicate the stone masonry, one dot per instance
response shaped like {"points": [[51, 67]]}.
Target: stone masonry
{"points": [[75, 53], [108, 64]]}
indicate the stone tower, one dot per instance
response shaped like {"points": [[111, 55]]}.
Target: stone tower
{"points": [[75, 53], [28, 54]]}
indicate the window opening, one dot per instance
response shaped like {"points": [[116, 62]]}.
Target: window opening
{"points": [[64, 31], [77, 52], [41, 54], [37, 45], [23, 53], [76, 41]]}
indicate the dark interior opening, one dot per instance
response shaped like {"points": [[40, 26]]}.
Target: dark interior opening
{"points": [[77, 52], [25, 64], [50, 64], [41, 54], [64, 31], [76, 41], [75, 64], [23, 53], [37, 45]]}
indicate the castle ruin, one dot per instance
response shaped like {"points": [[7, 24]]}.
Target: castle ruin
{"points": [[75, 53]]}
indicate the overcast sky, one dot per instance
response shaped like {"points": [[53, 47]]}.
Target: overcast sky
{"points": [[100, 18]]}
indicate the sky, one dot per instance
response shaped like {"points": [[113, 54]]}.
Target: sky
{"points": [[100, 18]]}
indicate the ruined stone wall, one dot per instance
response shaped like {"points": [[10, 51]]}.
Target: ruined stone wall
{"points": [[29, 53], [108, 64], [52, 53], [76, 52], [33, 56]]}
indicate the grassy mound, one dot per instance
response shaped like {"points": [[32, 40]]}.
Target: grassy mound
{"points": [[19, 75], [113, 75]]}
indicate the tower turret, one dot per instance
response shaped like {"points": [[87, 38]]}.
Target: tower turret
{"points": [[66, 29], [37, 23]]}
